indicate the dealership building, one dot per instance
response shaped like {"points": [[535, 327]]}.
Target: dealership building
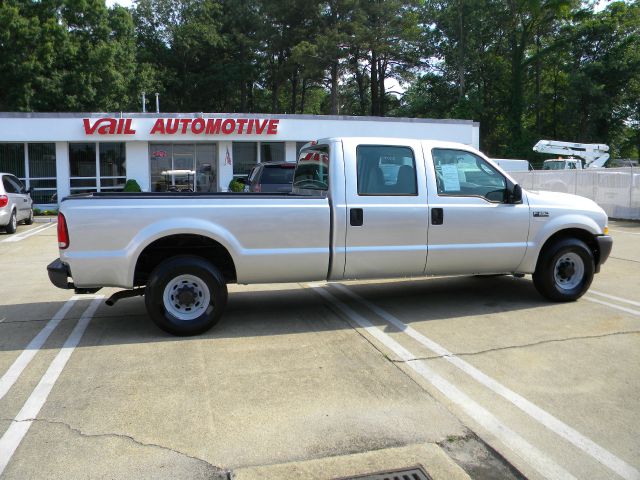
{"points": [[57, 154]]}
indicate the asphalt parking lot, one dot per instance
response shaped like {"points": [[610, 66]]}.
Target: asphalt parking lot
{"points": [[476, 377]]}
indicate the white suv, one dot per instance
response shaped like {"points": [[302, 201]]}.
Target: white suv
{"points": [[15, 203]]}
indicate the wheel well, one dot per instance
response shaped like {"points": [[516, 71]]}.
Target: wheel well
{"points": [[580, 234], [183, 244]]}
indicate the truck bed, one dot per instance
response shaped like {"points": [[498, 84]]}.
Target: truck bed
{"points": [[270, 237]]}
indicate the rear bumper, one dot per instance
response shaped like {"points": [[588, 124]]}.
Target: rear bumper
{"points": [[59, 273], [605, 243]]}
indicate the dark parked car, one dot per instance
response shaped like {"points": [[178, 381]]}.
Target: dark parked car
{"points": [[271, 177]]}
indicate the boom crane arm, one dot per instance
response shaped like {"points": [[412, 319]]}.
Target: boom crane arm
{"points": [[594, 154]]}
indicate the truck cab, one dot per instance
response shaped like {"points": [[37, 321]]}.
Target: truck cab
{"points": [[562, 164]]}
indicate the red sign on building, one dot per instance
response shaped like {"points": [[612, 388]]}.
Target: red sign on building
{"points": [[185, 126]]}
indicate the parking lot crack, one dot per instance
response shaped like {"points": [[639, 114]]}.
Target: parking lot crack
{"points": [[220, 473], [523, 345]]}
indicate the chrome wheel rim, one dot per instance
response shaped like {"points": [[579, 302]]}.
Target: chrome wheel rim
{"points": [[186, 297], [14, 222], [568, 271]]}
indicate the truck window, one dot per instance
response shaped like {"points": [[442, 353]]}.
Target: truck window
{"points": [[386, 170], [461, 173], [312, 170]]}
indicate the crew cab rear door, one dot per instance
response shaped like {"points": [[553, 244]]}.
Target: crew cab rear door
{"points": [[386, 208]]}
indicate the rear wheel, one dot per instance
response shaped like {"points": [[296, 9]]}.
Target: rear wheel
{"points": [[12, 226], [185, 295], [565, 270]]}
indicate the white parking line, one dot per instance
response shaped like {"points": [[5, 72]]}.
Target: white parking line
{"points": [[579, 440], [22, 236], [531, 454], [624, 231], [613, 297], [613, 305], [18, 366], [21, 423]]}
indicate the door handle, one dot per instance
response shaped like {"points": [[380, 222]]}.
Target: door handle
{"points": [[437, 216], [356, 217]]}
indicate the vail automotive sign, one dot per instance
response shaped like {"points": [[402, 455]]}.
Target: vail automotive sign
{"points": [[184, 126]]}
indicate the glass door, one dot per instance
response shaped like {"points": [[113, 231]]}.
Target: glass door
{"points": [[181, 167]]}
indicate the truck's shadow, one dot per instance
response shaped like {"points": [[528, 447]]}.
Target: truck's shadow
{"points": [[286, 312]]}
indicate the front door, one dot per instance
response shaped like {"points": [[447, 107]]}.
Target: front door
{"points": [[472, 229], [386, 210]]}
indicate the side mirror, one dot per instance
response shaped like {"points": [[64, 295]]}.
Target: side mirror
{"points": [[516, 194]]}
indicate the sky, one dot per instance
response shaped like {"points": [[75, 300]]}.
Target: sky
{"points": [[124, 3]]}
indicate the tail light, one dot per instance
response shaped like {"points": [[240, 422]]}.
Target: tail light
{"points": [[63, 232], [4, 200]]}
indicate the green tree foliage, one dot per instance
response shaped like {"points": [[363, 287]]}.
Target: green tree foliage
{"points": [[66, 55], [525, 69]]}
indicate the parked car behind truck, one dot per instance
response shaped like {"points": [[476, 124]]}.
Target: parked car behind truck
{"points": [[270, 177], [15, 203], [443, 209]]}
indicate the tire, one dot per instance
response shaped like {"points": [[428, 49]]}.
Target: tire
{"points": [[565, 270], [185, 295], [29, 219], [12, 226]]}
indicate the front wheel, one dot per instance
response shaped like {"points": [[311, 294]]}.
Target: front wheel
{"points": [[565, 270], [185, 295]]}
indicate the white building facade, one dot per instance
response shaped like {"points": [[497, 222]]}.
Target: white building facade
{"points": [[57, 154]]}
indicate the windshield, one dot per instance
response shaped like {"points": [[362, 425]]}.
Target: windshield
{"points": [[553, 165]]}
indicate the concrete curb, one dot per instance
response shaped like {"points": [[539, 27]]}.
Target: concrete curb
{"points": [[433, 459]]}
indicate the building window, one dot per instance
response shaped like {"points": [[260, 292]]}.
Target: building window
{"points": [[37, 169], [83, 167], [113, 173], [272, 152], [183, 167], [95, 167], [245, 157], [42, 172], [12, 159]]}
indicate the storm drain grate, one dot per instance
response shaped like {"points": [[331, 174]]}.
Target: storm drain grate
{"points": [[410, 473]]}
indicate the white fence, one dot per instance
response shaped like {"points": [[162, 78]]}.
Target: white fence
{"points": [[617, 190]]}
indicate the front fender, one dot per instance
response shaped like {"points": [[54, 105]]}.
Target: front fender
{"points": [[543, 228]]}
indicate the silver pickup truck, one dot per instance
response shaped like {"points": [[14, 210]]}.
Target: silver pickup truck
{"points": [[361, 208]]}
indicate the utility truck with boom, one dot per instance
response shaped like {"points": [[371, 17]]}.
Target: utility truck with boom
{"points": [[594, 155], [361, 208]]}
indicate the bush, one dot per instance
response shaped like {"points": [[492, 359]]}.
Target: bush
{"points": [[38, 212], [131, 186], [236, 186]]}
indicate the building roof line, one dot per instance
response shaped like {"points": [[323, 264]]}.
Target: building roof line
{"points": [[231, 115]]}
